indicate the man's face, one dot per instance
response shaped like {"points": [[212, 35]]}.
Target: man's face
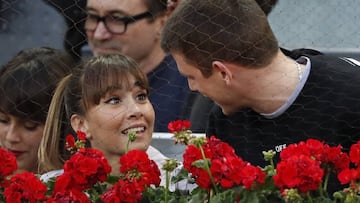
{"points": [[140, 38], [212, 87]]}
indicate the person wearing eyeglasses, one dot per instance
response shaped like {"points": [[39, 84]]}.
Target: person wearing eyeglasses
{"points": [[132, 27]]}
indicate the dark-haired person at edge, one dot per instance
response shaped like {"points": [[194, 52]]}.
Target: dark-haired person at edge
{"points": [[133, 27], [27, 83], [74, 15], [265, 99]]}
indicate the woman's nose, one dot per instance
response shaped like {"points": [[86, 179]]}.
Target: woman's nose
{"points": [[13, 133], [134, 109]]}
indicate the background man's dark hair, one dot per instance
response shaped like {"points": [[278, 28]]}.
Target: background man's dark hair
{"points": [[267, 5], [156, 6]]}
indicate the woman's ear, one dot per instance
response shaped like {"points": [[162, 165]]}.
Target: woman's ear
{"points": [[78, 123], [223, 70]]}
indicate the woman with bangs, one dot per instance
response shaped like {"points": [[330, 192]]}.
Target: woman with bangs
{"points": [[106, 98], [27, 83]]}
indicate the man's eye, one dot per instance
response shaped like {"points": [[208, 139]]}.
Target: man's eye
{"points": [[116, 18], [91, 16], [113, 100]]}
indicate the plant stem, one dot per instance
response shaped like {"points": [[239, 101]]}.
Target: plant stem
{"points": [[208, 170], [326, 181], [309, 197], [127, 146], [167, 186]]}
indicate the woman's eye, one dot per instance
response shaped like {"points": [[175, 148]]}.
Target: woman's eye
{"points": [[142, 96], [113, 100], [4, 120], [30, 125]]}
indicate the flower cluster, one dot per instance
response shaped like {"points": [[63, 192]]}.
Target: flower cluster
{"points": [[134, 182], [82, 171], [226, 169], [218, 174], [302, 175], [86, 178]]}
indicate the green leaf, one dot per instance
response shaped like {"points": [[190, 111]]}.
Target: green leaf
{"points": [[201, 163], [111, 179]]}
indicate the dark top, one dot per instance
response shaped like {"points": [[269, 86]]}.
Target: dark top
{"points": [[199, 106], [168, 93], [327, 108]]}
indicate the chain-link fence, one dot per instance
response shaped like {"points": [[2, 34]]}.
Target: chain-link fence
{"points": [[330, 26]]}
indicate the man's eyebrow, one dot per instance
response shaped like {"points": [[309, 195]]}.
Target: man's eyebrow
{"points": [[114, 11]]}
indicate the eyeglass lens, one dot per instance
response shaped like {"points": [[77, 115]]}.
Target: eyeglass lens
{"points": [[113, 24]]}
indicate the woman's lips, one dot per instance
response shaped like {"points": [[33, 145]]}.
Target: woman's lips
{"points": [[16, 153]]}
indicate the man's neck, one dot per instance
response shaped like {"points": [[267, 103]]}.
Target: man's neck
{"points": [[277, 84], [149, 63]]}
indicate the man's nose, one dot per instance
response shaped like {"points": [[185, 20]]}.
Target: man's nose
{"points": [[101, 32]]}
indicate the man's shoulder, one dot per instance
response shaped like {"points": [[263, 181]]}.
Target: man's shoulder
{"points": [[334, 61], [217, 114], [339, 68]]}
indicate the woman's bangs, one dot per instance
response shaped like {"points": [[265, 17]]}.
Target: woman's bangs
{"points": [[26, 101], [109, 73]]}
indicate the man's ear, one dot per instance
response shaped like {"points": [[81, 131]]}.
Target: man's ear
{"points": [[223, 70], [78, 123], [160, 22]]}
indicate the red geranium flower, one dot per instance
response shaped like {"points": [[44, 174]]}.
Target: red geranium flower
{"points": [[85, 168], [349, 175], [227, 169], [136, 165], [355, 153], [25, 187], [250, 174], [8, 163], [81, 135], [178, 125], [124, 191], [69, 196], [70, 142], [298, 171], [334, 158]]}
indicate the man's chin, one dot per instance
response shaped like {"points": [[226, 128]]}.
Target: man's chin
{"points": [[99, 52], [227, 111]]}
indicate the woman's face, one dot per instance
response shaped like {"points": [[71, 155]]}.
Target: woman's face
{"points": [[119, 112], [22, 138]]}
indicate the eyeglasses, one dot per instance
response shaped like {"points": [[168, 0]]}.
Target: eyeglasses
{"points": [[114, 24]]}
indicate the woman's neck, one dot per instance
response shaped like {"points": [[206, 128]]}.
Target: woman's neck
{"points": [[114, 162]]}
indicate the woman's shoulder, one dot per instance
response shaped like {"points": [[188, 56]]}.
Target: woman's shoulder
{"points": [[46, 176], [155, 154]]}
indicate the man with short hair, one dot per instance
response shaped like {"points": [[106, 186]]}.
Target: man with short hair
{"points": [[266, 100], [133, 27]]}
